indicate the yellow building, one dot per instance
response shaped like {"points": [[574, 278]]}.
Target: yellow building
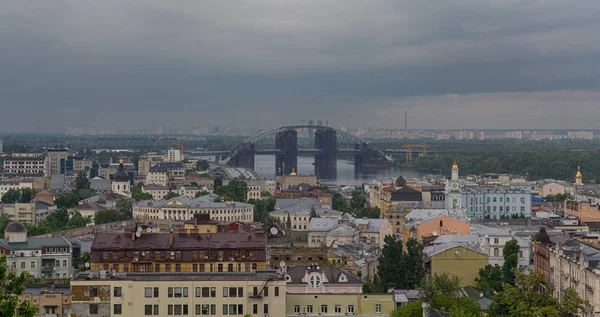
{"points": [[332, 304], [201, 224], [146, 294], [456, 260], [49, 300]]}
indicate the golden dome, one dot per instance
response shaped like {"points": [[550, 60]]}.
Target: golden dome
{"points": [[578, 175], [121, 161], [454, 166], [293, 173]]}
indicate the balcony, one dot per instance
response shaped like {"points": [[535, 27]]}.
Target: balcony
{"points": [[48, 269]]}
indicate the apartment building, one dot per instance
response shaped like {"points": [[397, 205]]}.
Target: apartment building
{"points": [[8, 185], [145, 250], [166, 173], [57, 160], [184, 208], [26, 165], [47, 258], [496, 202], [101, 293], [28, 213], [50, 300]]}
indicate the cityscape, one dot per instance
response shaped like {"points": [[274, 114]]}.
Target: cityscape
{"points": [[299, 158]]}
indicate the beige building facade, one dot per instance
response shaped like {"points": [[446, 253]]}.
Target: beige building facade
{"points": [[339, 304], [260, 293]]}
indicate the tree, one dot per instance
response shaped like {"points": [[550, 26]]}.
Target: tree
{"points": [[511, 261], [4, 221], [264, 193], [67, 200], [490, 278], [443, 291], [170, 195], [82, 181], [201, 193], [372, 286], [288, 222], [138, 195], [125, 207], [78, 221], [313, 212], [22, 195], [218, 182], [412, 309], [358, 200], [400, 268], [202, 165], [532, 296], [13, 286], [235, 190], [79, 262], [107, 216]]}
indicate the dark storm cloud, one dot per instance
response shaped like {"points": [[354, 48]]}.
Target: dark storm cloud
{"points": [[355, 62]]}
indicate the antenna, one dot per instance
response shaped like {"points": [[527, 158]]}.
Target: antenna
{"points": [[138, 234]]}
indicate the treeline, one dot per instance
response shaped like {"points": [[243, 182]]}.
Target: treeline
{"points": [[534, 159]]}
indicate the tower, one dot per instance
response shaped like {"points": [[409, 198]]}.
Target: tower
{"points": [[120, 182], [578, 177], [453, 194]]}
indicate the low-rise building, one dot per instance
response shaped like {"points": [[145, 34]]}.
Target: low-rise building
{"points": [[157, 191], [49, 299], [261, 293], [184, 208], [336, 304], [28, 213], [308, 191], [455, 259], [166, 174], [584, 211], [145, 250], [314, 279], [47, 258], [288, 181], [493, 239], [434, 226], [5, 186], [298, 213]]}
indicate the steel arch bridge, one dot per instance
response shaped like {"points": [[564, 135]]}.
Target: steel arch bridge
{"points": [[240, 147]]}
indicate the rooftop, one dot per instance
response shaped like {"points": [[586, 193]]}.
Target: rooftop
{"points": [[261, 275], [34, 243]]}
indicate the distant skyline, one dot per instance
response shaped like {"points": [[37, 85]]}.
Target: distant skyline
{"points": [[514, 64]]}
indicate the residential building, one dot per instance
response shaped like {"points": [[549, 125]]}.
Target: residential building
{"points": [[434, 226], [268, 185], [28, 213], [552, 187], [174, 155], [149, 251], [298, 212], [513, 135], [373, 231], [396, 213], [47, 258], [433, 193], [455, 259], [50, 300], [339, 304], [541, 254], [584, 211], [191, 191], [8, 185], [253, 189], [166, 174], [157, 191], [314, 279], [96, 294], [184, 208], [496, 202], [308, 191], [493, 239], [580, 135], [57, 160], [100, 184], [26, 165], [144, 165], [289, 181]]}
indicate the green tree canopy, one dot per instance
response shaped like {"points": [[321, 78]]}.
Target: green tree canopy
{"points": [[23, 195], [82, 181], [13, 285], [202, 165], [490, 278], [107, 216], [511, 261], [400, 268], [170, 195], [138, 195], [125, 207], [235, 190]]}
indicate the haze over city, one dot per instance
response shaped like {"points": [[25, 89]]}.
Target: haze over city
{"points": [[465, 64]]}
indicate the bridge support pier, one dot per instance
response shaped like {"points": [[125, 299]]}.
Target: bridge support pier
{"points": [[358, 160], [244, 159], [286, 162], [326, 161]]}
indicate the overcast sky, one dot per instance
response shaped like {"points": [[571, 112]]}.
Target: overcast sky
{"points": [[452, 64]]}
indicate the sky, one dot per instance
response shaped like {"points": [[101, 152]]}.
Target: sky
{"points": [[503, 64]]}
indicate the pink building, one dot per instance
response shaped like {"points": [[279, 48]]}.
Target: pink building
{"points": [[321, 279]]}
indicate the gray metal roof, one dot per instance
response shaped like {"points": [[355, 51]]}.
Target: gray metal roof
{"points": [[220, 276], [322, 224], [35, 243]]}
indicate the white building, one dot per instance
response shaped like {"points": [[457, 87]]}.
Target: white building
{"points": [[513, 135], [298, 212], [580, 135], [48, 258], [184, 208], [174, 155], [121, 182], [26, 165], [493, 239]]}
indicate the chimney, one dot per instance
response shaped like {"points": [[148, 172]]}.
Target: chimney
{"points": [[208, 233], [171, 238], [133, 231]]}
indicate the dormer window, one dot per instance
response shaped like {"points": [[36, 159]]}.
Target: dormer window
{"points": [[315, 280], [343, 279]]}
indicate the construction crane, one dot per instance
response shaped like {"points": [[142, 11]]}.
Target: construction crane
{"points": [[409, 149]]}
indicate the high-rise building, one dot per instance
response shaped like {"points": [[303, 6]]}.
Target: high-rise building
{"points": [[311, 131], [57, 159], [320, 123]]}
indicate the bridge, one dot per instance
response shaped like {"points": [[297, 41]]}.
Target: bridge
{"points": [[286, 151]]}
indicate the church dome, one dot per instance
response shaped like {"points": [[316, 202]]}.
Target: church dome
{"points": [[400, 181], [454, 166], [578, 175], [15, 227], [120, 175]]}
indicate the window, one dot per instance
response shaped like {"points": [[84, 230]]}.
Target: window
{"points": [[213, 309], [148, 292], [178, 292], [297, 309], [167, 267], [225, 291], [205, 309], [255, 309], [198, 291], [494, 199], [170, 310], [225, 307], [496, 252], [315, 281], [118, 291], [378, 308], [117, 309], [156, 292], [156, 267], [324, 309], [185, 292], [232, 309], [337, 308], [93, 292], [266, 291], [309, 309], [522, 201], [22, 265], [496, 240], [351, 308], [93, 309], [213, 292], [170, 292], [522, 208], [266, 309], [177, 267], [195, 268], [276, 291], [64, 263], [520, 254], [185, 309], [232, 292], [198, 309], [147, 310], [33, 265], [240, 292], [155, 310]]}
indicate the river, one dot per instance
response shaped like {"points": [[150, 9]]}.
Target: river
{"points": [[265, 166]]}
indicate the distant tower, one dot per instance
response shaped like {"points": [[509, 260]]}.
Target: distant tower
{"points": [[453, 194], [578, 177], [120, 182], [405, 120]]}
